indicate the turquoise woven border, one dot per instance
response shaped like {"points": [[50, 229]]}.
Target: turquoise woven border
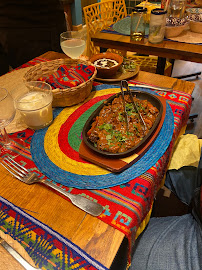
{"points": [[123, 27], [58, 175]]}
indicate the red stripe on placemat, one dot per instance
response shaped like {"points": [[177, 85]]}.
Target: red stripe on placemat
{"points": [[67, 125]]}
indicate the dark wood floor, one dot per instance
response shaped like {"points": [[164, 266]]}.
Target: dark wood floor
{"points": [[184, 68]]}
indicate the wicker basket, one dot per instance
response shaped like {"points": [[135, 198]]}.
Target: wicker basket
{"points": [[62, 97]]}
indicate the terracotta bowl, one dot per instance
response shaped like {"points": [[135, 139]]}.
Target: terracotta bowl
{"points": [[195, 27], [174, 31], [107, 72], [195, 23]]}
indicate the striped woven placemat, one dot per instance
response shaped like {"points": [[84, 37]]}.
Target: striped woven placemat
{"points": [[55, 149]]}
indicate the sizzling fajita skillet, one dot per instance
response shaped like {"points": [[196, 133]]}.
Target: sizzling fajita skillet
{"points": [[141, 95]]}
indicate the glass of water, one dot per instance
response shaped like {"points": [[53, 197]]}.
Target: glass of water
{"points": [[73, 43]]}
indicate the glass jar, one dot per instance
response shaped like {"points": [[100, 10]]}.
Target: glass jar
{"points": [[137, 32], [176, 8], [157, 25]]}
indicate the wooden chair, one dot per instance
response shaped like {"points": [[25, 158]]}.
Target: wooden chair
{"points": [[99, 16]]}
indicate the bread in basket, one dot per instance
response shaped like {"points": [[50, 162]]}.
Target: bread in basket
{"points": [[66, 96]]}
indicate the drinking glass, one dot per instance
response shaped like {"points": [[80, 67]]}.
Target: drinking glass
{"points": [[7, 114], [73, 43], [157, 25], [137, 30], [34, 102], [177, 8]]}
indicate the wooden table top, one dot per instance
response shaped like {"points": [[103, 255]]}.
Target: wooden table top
{"points": [[97, 238], [166, 49]]}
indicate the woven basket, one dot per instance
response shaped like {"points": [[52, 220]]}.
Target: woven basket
{"points": [[62, 97]]}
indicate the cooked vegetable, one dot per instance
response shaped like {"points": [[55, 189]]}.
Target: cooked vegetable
{"points": [[109, 132]]}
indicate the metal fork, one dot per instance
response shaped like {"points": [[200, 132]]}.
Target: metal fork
{"points": [[27, 177]]}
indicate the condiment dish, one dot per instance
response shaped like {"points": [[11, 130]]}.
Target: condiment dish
{"points": [[107, 64]]}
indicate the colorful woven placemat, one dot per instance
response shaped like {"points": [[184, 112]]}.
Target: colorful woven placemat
{"points": [[48, 249], [123, 27], [55, 149]]}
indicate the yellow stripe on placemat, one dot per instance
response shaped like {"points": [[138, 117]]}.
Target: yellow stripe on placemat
{"points": [[53, 150]]}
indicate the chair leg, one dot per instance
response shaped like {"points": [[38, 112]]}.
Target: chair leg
{"points": [[192, 117], [172, 61]]}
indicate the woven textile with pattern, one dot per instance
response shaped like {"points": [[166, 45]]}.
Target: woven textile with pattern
{"points": [[126, 205], [69, 77], [47, 248]]}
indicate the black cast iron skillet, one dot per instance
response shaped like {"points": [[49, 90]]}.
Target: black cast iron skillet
{"points": [[140, 95]]}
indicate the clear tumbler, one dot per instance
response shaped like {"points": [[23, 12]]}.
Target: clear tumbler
{"points": [[157, 25], [138, 23]]}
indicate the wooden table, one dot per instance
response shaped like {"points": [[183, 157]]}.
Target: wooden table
{"points": [[97, 238], [166, 49]]}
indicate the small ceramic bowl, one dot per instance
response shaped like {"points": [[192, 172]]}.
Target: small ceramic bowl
{"points": [[107, 64], [193, 11], [195, 22], [195, 27], [174, 31], [175, 26]]}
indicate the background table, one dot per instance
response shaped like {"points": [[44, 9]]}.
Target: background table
{"points": [[97, 238], [166, 49]]}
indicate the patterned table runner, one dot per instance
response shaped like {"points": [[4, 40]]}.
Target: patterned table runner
{"points": [[48, 249]]}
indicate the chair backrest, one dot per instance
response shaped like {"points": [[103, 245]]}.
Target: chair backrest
{"points": [[101, 15]]}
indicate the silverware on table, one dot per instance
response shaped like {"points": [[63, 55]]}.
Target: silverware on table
{"points": [[124, 106], [166, 89], [16, 255], [124, 82], [159, 88], [27, 177]]}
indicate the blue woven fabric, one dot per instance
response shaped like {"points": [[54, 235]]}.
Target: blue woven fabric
{"points": [[169, 243]]}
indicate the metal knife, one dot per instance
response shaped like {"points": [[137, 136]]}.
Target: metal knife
{"points": [[166, 89], [16, 255]]}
